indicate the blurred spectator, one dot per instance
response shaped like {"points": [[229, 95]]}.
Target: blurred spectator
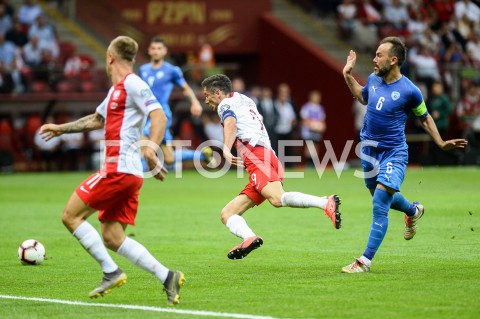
{"points": [[267, 109], [6, 22], [8, 8], [473, 48], [28, 12], [46, 33], [468, 9], [17, 34], [462, 29], [426, 67], [449, 35], [468, 113], [32, 52], [396, 14], [212, 126], [347, 18], [8, 52], [468, 107], [6, 80], [49, 151], [369, 14], [440, 108], [359, 111], [444, 11], [431, 40], [238, 85], [72, 146], [48, 70], [95, 139], [11, 64], [286, 116], [453, 54], [73, 65], [206, 55], [417, 26], [255, 93], [313, 124]]}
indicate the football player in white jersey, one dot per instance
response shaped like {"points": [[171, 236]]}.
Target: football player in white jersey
{"points": [[243, 126], [113, 190]]}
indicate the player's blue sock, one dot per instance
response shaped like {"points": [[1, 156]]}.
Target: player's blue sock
{"points": [[381, 205], [400, 203], [189, 155], [145, 165]]}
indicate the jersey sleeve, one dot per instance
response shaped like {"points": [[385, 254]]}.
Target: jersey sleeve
{"points": [[225, 110], [417, 103], [141, 94], [177, 76], [102, 108]]}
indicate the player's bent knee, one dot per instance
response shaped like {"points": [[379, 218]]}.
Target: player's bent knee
{"points": [[68, 220], [111, 243], [276, 202], [225, 215]]}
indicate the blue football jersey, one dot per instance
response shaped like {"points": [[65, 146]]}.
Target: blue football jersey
{"points": [[388, 107], [162, 81]]}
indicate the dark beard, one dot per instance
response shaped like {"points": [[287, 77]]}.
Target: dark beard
{"points": [[383, 71]]}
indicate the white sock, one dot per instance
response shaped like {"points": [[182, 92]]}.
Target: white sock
{"points": [[366, 261], [238, 226], [90, 239], [138, 255], [297, 199]]}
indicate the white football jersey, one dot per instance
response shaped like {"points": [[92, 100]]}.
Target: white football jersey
{"points": [[250, 126], [125, 110]]}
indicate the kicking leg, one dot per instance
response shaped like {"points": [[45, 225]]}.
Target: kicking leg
{"points": [[275, 194]]}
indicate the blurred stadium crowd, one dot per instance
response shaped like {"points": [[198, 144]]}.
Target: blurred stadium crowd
{"points": [[443, 37]]}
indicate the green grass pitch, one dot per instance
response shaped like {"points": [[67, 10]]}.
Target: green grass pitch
{"points": [[296, 274]]}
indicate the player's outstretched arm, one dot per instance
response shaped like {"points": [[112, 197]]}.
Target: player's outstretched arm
{"points": [[87, 123], [353, 85], [229, 137], [429, 125], [196, 108]]}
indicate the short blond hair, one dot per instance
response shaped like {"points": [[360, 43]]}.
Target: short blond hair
{"points": [[124, 47]]}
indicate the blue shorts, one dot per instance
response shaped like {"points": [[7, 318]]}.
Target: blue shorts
{"points": [[385, 166], [168, 134]]}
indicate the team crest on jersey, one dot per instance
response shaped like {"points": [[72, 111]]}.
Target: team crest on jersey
{"points": [[116, 94], [159, 74], [113, 105], [224, 107], [146, 93], [395, 95]]}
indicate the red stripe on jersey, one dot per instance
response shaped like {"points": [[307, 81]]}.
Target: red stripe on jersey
{"points": [[113, 125]]}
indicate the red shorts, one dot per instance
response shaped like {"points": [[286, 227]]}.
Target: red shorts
{"points": [[115, 196], [262, 166]]}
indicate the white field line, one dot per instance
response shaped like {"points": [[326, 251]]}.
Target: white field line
{"points": [[142, 308]]}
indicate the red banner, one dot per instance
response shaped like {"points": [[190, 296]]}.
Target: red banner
{"points": [[231, 26]]}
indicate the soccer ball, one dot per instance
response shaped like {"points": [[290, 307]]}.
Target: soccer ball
{"points": [[31, 252]]}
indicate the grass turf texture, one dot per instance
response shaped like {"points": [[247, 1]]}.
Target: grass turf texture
{"points": [[296, 274]]}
